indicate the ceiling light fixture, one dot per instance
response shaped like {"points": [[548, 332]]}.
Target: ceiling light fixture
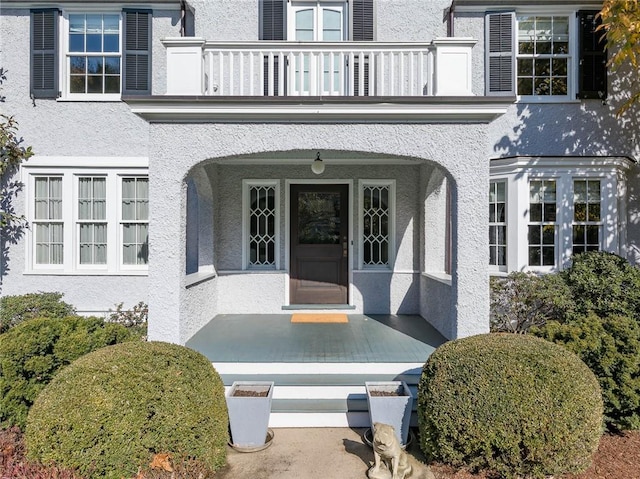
{"points": [[318, 165]]}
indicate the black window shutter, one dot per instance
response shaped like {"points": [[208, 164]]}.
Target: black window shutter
{"points": [[592, 69], [361, 31], [272, 20], [44, 53], [500, 55], [136, 57], [272, 29], [362, 20]]}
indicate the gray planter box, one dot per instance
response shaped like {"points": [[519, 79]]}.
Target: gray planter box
{"points": [[249, 415], [393, 408]]}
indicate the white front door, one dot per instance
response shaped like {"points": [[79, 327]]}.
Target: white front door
{"points": [[316, 21]]}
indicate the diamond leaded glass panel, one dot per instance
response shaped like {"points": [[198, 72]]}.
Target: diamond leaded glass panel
{"points": [[375, 230]]}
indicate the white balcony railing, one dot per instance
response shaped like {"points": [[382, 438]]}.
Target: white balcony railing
{"points": [[439, 68]]}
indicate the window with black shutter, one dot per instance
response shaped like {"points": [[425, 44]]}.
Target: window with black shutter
{"points": [[137, 52], [592, 64], [44, 53]]}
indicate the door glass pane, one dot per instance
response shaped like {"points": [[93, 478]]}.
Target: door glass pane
{"points": [[318, 218], [331, 25], [304, 25]]}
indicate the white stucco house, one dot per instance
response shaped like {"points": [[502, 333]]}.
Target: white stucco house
{"points": [[219, 158]]}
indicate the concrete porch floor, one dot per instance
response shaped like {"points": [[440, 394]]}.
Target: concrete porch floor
{"points": [[256, 338]]}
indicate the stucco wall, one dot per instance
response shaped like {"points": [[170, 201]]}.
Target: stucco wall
{"points": [[75, 128]]}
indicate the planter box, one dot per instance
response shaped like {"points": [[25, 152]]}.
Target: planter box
{"points": [[249, 405], [390, 402]]}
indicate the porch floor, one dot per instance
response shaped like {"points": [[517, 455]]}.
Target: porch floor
{"points": [[260, 338]]}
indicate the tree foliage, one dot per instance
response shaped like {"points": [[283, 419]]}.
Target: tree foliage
{"points": [[12, 153], [621, 23]]}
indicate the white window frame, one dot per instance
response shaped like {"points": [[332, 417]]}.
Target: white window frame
{"points": [[586, 223], [556, 224], [246, 225], [391, 184], [70, 179], [504, 224], [572, 64], [122, 222], [78, 222], [38, 221], [65, 66]]}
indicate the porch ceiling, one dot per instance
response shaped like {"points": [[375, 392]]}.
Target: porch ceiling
{"points": [[273, 338]]}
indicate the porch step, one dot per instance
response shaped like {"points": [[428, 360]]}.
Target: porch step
{"points": [[319, 395]]}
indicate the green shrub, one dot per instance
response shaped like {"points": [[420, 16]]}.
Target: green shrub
{"points": [[523, 300], [604, 283], [515, 404], [112, 410], [32, 353], [611, 348], [15, 309]]}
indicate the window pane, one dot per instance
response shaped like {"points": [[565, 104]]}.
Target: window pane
{"points": [[593, 236], [548, 234], [94, 42], [534, 256], [580, 212], [76, 42], [111, 43], [535, 212], [578, 234], [77, 84], [94, 23], [594, 212], [534, 235], [548, 256], [94, 84]]}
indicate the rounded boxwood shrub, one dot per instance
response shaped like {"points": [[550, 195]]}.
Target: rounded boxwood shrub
{"points": [[610, 346], [111, 411], [32, 352], [515, 404]]}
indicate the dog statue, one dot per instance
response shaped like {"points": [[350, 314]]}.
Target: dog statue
{"points": [[388, 456], [390, 460]]}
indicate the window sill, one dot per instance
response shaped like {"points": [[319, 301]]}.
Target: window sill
{"points": [[543, 100], [91, 98], [56, 272], [441, 277], [199, 277], [251, 271]]}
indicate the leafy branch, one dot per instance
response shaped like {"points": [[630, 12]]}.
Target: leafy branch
{"points": [[12, 154]]}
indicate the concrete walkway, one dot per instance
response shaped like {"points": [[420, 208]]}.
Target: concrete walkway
{"points": [[306, 453]]}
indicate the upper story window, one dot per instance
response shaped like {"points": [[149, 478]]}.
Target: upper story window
{"points": [[93, 55], [104, 54], [545, 57]]}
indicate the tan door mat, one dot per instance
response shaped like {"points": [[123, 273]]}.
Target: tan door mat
{"points": [[319, 318]]}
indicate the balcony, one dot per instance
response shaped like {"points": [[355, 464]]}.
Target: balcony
{"points": [[319, 82], [344, 69]]}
